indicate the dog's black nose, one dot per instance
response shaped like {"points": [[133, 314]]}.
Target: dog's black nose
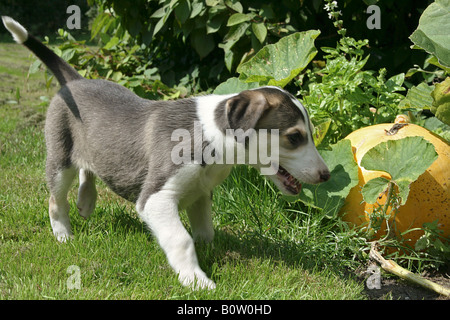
{"points": [[324, 175]]}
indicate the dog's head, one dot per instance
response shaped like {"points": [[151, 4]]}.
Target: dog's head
{"points": [[287, 136]]}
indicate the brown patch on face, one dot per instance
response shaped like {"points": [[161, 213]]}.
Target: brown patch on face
{"points": [[263, 108], [282, 114], [244, 110]]}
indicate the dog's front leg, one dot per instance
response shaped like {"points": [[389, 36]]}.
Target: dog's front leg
{"points": [[160, 213]]}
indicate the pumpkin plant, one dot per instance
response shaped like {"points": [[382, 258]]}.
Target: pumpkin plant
{"points": [[404, 160], [402, 187], [403, 180]]}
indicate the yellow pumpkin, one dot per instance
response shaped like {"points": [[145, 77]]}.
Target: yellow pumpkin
{"points": [[429, 196]]}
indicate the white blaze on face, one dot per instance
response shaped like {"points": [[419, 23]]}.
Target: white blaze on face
{"points": [[305, 114]]}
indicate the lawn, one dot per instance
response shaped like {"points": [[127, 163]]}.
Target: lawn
{"points": [[265, 247]]}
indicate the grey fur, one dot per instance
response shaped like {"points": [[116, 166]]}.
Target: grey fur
{"points": [[105, 128]]}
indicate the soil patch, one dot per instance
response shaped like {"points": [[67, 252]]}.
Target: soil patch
{"points": [[392, 287]]}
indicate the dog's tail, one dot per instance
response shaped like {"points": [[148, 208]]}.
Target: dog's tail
{"points": [[61, 69]]}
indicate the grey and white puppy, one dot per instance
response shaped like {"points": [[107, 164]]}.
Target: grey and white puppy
{"points": [[99, 128]]}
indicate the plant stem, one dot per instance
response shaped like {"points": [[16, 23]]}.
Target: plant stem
{"points": [[394, 268], [388, 197], [340, 106]]}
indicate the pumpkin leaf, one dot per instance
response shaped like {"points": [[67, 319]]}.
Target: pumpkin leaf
{"points": [[432, 33], [373, 188], [234, 85], [330, 196], [277, 64], [418, 97], [404, 160]]}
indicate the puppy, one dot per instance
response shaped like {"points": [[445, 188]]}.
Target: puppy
{"points": [[166, 155]]}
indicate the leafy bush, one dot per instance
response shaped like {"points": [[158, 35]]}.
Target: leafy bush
{"points": [[428, 35], [340, 93], [200, 43], [116, 61], [348, 97], [341, 96], [204, 40]]}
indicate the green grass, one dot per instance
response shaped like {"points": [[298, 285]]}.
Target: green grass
{"points": [[265, 247]]}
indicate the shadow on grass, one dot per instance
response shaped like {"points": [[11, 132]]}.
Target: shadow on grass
{"points": [[286, 252], [228, 247]]}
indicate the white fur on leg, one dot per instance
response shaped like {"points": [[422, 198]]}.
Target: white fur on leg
{"points": [[59, 206], [59, 219], [161, 215]]}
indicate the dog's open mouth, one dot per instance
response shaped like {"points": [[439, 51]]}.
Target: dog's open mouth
{"points": [[290, 183]]}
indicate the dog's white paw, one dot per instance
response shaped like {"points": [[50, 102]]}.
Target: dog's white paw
{"points": [[61, 231], [196, 280], [63, 238]]}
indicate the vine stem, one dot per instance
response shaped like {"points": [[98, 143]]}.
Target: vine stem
{"points": [[390, 192], [388, 197], [394, 268]]}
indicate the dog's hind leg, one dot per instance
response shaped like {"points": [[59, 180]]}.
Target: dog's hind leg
{"points": [[59, 184], [200, 217], [87, 193]]}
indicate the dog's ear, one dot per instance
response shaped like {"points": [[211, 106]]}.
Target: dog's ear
{"points": [[246, 109]]}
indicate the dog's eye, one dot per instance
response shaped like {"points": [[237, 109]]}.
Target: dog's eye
{"points": [[295, 138]]}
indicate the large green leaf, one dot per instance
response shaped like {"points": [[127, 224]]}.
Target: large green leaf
{"points": [[277, 64], [433, 34], [330, 195], [418, 97], [404, 160], [234, 85], [372, 189]]}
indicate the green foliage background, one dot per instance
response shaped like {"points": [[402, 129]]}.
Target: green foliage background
{"points": [[206, 40], [42, 18]]}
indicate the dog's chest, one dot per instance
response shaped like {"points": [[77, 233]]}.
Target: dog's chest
{"points": [[192, 182]]}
